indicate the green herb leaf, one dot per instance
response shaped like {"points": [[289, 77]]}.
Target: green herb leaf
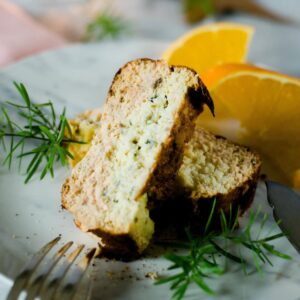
{"points": [[207, 254], [42, 133], [106, 25]]}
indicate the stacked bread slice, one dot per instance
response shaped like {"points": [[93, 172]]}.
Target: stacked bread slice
{"points": [[146, 121], [83, 129], [214, 168]]}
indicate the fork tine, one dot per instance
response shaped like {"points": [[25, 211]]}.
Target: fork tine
{"points": [[75, 276], [36, 286], [23, 278], [51, 288]]}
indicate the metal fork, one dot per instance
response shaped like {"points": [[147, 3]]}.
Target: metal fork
{"points": [[49, 280]]}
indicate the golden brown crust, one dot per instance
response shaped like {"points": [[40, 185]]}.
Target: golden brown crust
{"points": [[201, 89]]}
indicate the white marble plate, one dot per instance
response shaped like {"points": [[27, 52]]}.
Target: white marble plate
{"points": [[30, 215]]}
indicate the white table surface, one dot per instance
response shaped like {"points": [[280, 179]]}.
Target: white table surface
{"points": [[163, 20]]}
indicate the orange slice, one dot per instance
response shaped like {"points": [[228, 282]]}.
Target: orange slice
{"points": [[261, 109], [210, 45]]}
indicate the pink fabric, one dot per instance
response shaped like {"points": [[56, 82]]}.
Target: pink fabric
{"points": [[21, 36]]}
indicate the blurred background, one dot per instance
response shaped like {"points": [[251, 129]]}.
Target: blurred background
{"points": [[31, 26]]}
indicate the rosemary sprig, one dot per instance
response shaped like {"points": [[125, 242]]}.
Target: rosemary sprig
{"points": [[208, 253], [40, 128], [105, 25]]}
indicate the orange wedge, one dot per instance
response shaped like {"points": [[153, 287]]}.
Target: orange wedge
{"points": [[210, 45], [261, 109]]}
